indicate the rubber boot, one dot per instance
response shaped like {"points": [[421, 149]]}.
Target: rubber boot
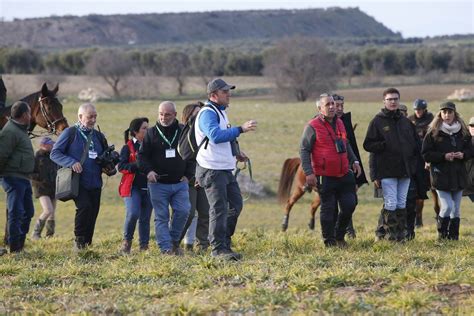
{"points": [[38, 229], [402, 224], [443, 223], [453, 228], [390, 219], [380, 230], [50, 226]]}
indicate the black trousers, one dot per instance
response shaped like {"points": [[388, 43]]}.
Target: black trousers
{"points": [[200, 204], [336, 191], [87, 209]]}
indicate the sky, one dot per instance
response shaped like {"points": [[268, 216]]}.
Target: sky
{"points": [[418, 18]]}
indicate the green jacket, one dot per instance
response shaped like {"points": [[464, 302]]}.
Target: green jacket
{"points": [[17, 157]]}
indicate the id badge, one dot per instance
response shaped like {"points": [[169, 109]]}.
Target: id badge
{"points": [[170, 153], [92, 154]]}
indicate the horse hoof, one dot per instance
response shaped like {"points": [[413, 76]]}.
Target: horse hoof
{"points": [[311, 224], [284, 227]]}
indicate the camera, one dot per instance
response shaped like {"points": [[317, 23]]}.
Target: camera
{"points": [[340, 146], [108, 159]]}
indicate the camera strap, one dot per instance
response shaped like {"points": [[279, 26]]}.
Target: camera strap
{"points": [[86, 148], [336, 132]]}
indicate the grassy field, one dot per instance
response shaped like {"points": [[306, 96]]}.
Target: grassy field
{"points": [[284, 273]]}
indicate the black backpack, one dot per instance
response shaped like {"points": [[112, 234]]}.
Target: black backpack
{"points": [[187, 145]]}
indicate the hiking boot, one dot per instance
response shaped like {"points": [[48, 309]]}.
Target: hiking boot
{"points": [[50, 227], [443, 223], [453, 228], [189, 247], [16, 246], [38, 229], [226, 254], [341, 244], [126, 247], [144, 247], [79, 243], [351, 233], [176, 250]]}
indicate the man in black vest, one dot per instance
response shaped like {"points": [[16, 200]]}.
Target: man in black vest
{"points": [[347, 120]]}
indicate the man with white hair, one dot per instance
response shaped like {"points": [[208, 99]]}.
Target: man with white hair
{"points": [[168, 176], [67, 152], [329, 164]]}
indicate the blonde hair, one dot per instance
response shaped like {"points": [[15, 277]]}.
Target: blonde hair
{"points": [[435, 125]]}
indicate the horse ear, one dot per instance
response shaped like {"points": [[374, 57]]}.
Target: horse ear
{"points": [[44, 90], [55, 90]]}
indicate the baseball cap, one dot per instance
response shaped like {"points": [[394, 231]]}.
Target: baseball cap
{"points": [[218, 84], [471, 121], [448, 105], [47, 141]]}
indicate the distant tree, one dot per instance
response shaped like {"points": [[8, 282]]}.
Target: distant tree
{"points": [[407, 60], [301, 67], [112, 66], [462, 60], [351, 65], [22, 61], [202, 64], [177, 64]]}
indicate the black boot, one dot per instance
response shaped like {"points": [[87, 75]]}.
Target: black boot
{"points": [[402, 224], [80, 243], [16, 246], [390, 219], [443, 223], [50, 226], [38, 229], [351, 233], [453, 228]]}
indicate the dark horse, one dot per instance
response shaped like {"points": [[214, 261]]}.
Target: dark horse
{"points": [[46, 111], [293, 172]]}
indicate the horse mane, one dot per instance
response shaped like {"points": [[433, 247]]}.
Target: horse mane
{"points": [[31, 98], [290, 166]]}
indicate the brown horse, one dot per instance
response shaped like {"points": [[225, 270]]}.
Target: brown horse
{"points": [[46, 111], [293, 172]]}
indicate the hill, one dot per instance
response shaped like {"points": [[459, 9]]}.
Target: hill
{"points": [[152, 29]]}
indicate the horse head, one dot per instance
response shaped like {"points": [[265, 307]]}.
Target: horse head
{"points": [[50, 113]]}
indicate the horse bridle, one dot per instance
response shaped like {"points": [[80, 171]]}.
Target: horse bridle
{"points": [[50, 123]]}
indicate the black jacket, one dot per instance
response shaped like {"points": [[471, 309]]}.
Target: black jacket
{"points": [[140, 180], [470, 172], [422, 123], [391, 137], [346, 119], [44, 175], [152, 154], [447, 175]]}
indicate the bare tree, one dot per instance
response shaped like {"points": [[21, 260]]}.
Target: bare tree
{"points": [[177, 64], [301, 68], [202, 64], [112, 66]]}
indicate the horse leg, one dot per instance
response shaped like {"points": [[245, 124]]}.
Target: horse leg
{"points": [[297, 194], [434, 194], [314, 207], [419, 213]]}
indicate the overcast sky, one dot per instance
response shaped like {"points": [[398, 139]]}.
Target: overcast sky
{"points": [[417, 18]]}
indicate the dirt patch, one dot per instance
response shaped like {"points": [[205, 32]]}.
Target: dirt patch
{"points": [[452, 290]]}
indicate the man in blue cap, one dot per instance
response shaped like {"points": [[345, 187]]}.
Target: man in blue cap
{"points": [[216, 161]]}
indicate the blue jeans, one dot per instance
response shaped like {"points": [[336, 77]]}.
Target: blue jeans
{"points": [[225, 205], [162, 196], [450, 203], [20, 207], [395, 191], [138, 207]]}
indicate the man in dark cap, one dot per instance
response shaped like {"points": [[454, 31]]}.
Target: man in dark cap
{"points": [[216, 161], [422, 119]]}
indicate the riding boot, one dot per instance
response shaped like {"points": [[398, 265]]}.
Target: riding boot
{"points": [[380, 230], [38, 229], [443, 223], [402, 224], [390, 219], [50, 226], [351, 233], [453, 228]]}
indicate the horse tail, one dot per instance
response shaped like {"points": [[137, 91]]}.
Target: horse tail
{"points": [[290, 166]]}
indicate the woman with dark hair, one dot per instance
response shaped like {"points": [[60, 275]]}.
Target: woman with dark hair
{"points": [[133, 187], [447, 146], [197, 225]]}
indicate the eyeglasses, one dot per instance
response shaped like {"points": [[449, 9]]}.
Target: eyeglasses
{"points": [[471, 125], [391, 99]]}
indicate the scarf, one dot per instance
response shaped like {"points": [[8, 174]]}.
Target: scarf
{"points": [[451, 129], [83, 128]]}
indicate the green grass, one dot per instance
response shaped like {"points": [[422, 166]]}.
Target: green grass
{"points": [[284, 273]]}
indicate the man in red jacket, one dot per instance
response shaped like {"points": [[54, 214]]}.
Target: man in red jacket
{"points": [[329, 164]]}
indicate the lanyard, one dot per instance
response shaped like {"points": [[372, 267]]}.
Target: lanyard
{"points": [[91, 146], [166, 139]]}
